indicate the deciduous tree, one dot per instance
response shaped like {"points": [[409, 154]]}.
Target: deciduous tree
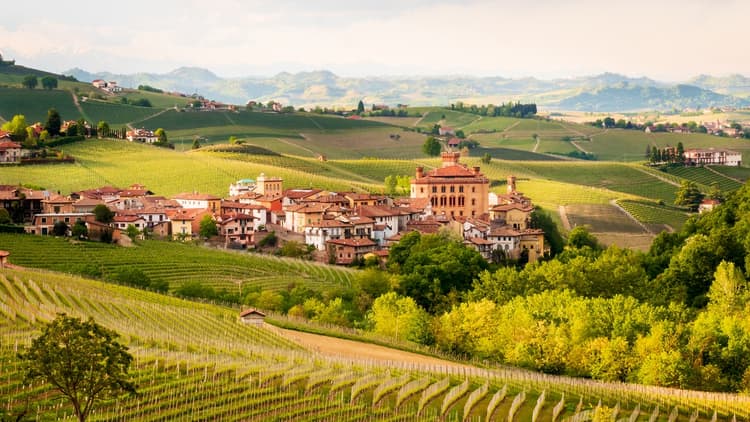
{"points": [[431, 147], [30, 81], [48, 82], [81, 360], [54, 122]]}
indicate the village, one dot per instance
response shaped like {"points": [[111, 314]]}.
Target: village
{"points": [[338, 227]]}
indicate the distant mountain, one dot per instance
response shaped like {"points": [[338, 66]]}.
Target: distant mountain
{"points": [[627, 98], [737, 85], [604, 92]]}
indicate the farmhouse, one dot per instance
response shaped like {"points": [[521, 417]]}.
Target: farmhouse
{"points": [[712, 156], [10, 152], [446, 130], [346, 251], [141, 135], [454, 189]]}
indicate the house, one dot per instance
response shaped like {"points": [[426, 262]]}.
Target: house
{"points": [[110, 86], [10, 152], [295, 196], [185, 223], [300, 216], [202, 201], [712, 156], [4, 258], [346, 251], [237, 229], [446, 130], [123, 221], [453, 189], [141, 135], [454, 142], [708, 205], [22, 203], [241, 186], [44, 223], [319, 233], [252, 316]]}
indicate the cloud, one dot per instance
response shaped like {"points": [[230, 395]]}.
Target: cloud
{"points": [[668, 40]]}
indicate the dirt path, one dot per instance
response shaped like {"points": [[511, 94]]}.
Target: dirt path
{"points": [[348, 349], [78, 105], [578, 147], [536, 145], [420, 119], [656, 176], [564, 217], [314, 154]]}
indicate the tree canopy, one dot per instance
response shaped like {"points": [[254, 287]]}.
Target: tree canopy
{"points": [[54, 122], [30, 81], [431, 146], [81, 360]]}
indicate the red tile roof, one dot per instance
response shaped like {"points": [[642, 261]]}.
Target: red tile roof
{"points": [[9, 145], [352, 242]]}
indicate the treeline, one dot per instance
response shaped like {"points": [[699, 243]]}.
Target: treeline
{"points": [[149, 88], [510, 109]]}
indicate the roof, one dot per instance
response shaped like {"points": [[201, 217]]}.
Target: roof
{"points": [[329, 223], [377, 211], [452, 171], [197, 196], [300, 193], [9, 145], [508, 207], [251, 311], [86, 202], [352, 242], [126, 218]]}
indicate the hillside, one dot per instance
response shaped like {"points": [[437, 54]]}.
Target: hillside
{"points": [[238, 372], [602, 92]]}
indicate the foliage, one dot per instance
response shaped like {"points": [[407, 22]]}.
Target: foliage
{"points": [[48, 82], [580, 237], [208, 227], [79, 230], [400, 318], [103, 214], [60, 229], [431, 147], [54, 122], [17, 128], [688, 195], [82, 360], [433, 269], [541, 219], [30, 81]]}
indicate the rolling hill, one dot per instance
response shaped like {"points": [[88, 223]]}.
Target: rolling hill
{"points": [[602, 92]]}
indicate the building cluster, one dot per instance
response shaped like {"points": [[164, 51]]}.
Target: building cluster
{"points": [[10, 152], [141, 135], [109, 86], [344, 227]]}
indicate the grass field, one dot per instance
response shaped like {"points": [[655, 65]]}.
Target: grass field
{"points": [[173, 262], [34, 104], [195, 361]]}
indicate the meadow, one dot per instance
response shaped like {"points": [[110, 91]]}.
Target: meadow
{"points": [[196, 361]]}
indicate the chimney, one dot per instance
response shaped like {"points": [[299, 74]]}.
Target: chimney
{"points": [[450, 158], [476, 171], [511, 184], [420, 172]]}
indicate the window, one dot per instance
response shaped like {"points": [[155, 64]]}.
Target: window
{"points": [[473, 201], [453, 188], [442, 189], [421, 190], [434, 189], [473, 189], [44, 220], [460, 189]]}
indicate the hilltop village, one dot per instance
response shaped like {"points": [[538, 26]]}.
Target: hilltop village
{"points": [[337, 227]]}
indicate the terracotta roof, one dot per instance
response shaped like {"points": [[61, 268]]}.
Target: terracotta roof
{"points": [[251, 311], [377, 211], [313, 208], [360, 219], [352, 242], [85, 202], [329, 223], [452, 171], [508, 207], [300, 193], [9, 145], [126, 218], [480, 241], [504, 231], [196, 196]]}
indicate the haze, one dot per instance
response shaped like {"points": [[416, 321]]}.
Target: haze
{"points": [[666, 40]]}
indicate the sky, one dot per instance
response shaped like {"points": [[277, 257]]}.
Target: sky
{"points": [[667, 40]]}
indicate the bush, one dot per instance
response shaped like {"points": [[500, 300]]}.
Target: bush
{"points": [[132, 277]]}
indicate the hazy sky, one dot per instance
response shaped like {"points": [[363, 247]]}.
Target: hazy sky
{"points": [[669, 40]]}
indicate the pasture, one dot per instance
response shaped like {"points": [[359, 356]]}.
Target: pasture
{"points": [[195, 361]]}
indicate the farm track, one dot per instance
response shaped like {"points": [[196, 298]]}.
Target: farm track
{"points": [[564, 217], [420, 119], [663, 179]]}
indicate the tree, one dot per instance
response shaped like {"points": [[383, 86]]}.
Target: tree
{"points": [[431, 147], [132, 232], [82, 360], [360, 107], [688, 195], [162, 135], [17, 128], [486, 158], [103, 214], [54, 122], [399, 317], [48, 82], [208, 227], [5, 217], [79, 230], [196, 144], [580, 237], [390, 184], [680, 153], [60, 229], [102, 129], [30, 81]]}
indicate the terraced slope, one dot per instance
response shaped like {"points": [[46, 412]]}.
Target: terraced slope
{"points": [[196, 361]]}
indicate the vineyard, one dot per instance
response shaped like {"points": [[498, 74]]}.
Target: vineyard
{"points": [[33, 104], [174, 263], [197, 362]]}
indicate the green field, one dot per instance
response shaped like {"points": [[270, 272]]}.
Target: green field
{"points": [[115, 114], [34, 104], [196, 361], [173, 262]]}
